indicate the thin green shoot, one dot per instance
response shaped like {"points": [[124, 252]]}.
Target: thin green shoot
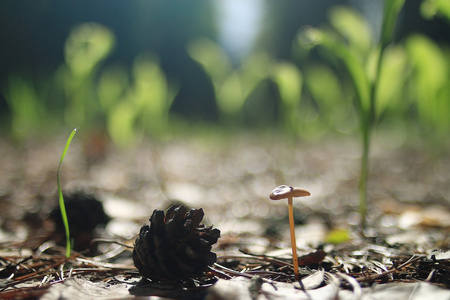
{"points": [[62, 206]]}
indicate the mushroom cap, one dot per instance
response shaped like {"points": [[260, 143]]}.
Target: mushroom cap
{"points": [[285, 191]]}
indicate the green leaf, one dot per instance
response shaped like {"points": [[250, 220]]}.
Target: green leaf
{"points": [[392, 79], [324, 85], [27, 109], [112, 84], [86, 46], [212, 58], [431, 73], [121, 123], [350, 60], [431, 8], [353, 27], [391, 10], [289, 81], [230, 96]]}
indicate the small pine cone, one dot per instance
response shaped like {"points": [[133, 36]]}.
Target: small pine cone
{"points": [[175, 247]]}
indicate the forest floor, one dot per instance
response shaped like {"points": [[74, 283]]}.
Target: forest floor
{"points": [[403, 252]]}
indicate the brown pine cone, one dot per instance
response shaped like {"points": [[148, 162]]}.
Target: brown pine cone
{"points": [[175, 247]]}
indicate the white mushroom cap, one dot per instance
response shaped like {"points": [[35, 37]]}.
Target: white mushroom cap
{"points": [[285, 191]]}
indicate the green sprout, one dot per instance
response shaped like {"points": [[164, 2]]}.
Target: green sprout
{"points": [[353, 52], [391, 10], [62, 207]]}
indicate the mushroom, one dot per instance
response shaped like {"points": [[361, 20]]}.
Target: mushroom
{"points": [[289, 192]]}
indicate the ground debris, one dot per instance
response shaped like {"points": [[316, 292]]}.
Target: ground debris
{"points": [[395, 260], [363, 263], [352, 270], [242, 288], [30, 276]]}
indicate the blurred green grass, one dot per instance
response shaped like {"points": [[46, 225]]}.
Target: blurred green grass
{"points": [[301, 96]]}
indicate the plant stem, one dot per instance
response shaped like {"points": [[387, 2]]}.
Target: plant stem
{"points": [[364, 175], [293, 242], [368, 120]]}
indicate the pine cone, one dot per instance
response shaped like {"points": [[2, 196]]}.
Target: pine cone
{"points": [[175, 247]]}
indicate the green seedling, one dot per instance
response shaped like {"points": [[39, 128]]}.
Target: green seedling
{"points": [[289, 192], [62, 207], [365, 85]]}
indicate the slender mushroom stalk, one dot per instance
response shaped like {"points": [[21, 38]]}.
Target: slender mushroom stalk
{"points": [[289, 192]]}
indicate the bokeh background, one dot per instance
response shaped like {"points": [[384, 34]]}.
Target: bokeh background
{"points": [[149, 68]]}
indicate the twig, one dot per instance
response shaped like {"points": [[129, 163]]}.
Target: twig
{"points": [[112, 242], [376, 276], [274, 261]]}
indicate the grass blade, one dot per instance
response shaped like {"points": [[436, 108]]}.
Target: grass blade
{"points": [[62, 207]]}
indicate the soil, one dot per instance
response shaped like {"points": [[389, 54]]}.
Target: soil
{"points": [[404, 249]]}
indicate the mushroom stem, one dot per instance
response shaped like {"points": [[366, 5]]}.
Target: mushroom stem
{"points": [[293, 242], [283, 192]]}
